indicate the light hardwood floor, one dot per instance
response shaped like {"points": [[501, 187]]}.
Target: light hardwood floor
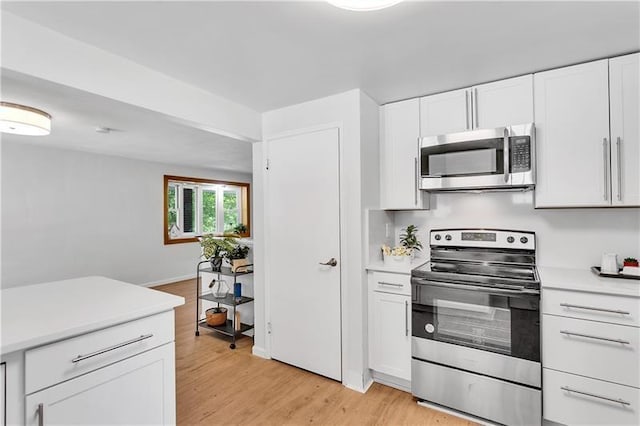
{"points": [[217, 385]]}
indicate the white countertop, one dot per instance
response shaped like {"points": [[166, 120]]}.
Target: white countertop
{"points": [[403, 269], [586, 281], [38, 314]]}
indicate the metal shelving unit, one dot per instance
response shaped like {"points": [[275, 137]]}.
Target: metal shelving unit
{"points": [[228, 329]]}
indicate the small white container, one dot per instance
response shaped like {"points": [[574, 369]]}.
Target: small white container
{"points": [[397, 261]]}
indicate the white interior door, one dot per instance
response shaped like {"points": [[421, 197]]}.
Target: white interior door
{"points": [[302, 220]]}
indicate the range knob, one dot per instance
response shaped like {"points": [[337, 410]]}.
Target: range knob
{"points": [[447, 237], [524, 240], [438, 237], [510, 239]]}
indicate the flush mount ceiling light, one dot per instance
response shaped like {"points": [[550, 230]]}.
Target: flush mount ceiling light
{"points": [[23, 120], [363, 5]]}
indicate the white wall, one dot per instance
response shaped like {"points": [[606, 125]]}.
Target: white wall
{"points": [[572, 238], [67, 214], [357, 117]]}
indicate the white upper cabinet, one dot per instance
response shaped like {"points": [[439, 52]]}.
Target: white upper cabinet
{"points": [[503, 103], [625, 135], [400, 131], [572, 136], [486, 106], [448, 112]]}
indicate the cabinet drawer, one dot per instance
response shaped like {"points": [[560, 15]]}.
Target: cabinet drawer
{"points": [[391, 283], [60, 361], [597, 307], [593, 349], [588, 401]]}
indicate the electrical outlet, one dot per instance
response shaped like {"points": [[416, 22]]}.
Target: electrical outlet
{"points": [[387, 232]]}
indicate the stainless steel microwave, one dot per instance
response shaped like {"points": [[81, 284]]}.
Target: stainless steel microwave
{"points": [[501, 158]]}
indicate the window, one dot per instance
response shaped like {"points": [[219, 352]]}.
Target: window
{"points": [[194, 207]]}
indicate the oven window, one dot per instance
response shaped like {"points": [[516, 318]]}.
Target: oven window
{"points": [[483, 157], [483, 327]]}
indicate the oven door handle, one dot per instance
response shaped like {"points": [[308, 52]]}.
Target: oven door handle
{"points": [[491, 290]]}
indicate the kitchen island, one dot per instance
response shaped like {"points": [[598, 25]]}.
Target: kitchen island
{"points": [[87, 351]]}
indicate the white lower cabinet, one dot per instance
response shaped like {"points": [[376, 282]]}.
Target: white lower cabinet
{"points": [[390, 330], [138, 390], [591, 372]]}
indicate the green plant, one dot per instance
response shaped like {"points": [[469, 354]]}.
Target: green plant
{"points": [[409, 238], [631, 259], [238, 252], [215, 246], [240, 228]]}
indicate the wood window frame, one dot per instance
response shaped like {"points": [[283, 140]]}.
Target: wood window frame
{"points": [[245, 192]]}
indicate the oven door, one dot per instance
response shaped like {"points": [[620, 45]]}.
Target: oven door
{"points": [[502, 321], [479, 159]]}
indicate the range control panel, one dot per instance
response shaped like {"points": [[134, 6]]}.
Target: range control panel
{"points": [[491, 238]]}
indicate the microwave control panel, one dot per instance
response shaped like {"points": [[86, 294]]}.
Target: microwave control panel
{"points": [[520, 154]]}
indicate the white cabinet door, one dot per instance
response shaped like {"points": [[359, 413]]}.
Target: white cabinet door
{"points": [[447, 112], [625, 134], [399, 156], [503, 103], [137, 391], [572, 136], [390, 334]]}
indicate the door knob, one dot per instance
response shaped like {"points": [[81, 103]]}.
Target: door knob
{"points": [[332, 262]]}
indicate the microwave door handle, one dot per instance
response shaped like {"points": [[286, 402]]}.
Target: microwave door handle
{"points": [[506, 154]]}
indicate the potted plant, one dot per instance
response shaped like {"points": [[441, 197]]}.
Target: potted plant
{"points": [[631, 261], [237, 256], [409, 239], [240, 229], [214, 249]]}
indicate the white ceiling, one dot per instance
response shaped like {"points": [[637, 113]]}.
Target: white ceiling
{"points": [[139, 133], [267, 55]]}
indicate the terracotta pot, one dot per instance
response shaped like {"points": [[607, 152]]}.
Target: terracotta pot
{"points": [[632, 264], [216, 316]]}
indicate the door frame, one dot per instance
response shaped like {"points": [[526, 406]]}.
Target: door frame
{"points": [[342, 230]]}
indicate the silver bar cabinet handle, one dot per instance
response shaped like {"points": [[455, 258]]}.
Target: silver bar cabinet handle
{"points": [[475, 106], [41, 414], [406, 318], [506, 154], [415, 182], [591, 308], [589, 336], [466, 104], [606, 398], [618, 147], [390, 284], [111, 348], [605, 156]]}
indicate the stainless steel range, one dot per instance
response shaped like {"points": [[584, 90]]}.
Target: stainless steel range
{"points": [[476, 325]]}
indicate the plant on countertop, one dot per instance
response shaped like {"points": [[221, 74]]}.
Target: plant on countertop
{"points": [[631, 261], [409, 238]]}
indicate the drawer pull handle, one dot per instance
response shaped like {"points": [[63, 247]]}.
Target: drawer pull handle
{"points": [[591, 308], [41, 414], [588, 336], [606, 398], [390, 284], [111, 348]]}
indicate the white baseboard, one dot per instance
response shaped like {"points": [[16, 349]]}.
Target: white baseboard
{"points": [[168, 281], [260, 352], [393, 382]]}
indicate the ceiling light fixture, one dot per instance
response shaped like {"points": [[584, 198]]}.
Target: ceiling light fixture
{"points": [[23, 120], [363, 5]]}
